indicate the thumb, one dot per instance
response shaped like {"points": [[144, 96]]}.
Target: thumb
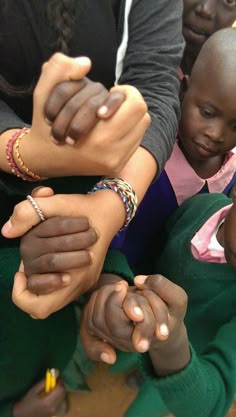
{"points": [[24, 216], [96, 349], [42, 192], [59, 68]]}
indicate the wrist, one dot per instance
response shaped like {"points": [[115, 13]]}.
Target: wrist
{"points": [[171, 356], [5, 137]]}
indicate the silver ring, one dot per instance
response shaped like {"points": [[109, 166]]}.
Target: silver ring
{"points": [[36, 207]]}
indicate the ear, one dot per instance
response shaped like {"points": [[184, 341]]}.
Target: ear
{"points": [[184, 86]]}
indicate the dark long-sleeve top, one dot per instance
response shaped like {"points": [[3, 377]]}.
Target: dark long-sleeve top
{"points": [[150, 61]]}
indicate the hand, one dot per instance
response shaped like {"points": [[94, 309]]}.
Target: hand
{"points": [[171, 354], [24, 217], [116, 316], [56, 245], [38, 404], [113, 325], [73, 108], [105, 149]]}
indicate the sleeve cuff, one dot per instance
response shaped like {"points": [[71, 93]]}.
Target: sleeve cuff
{"points": [[116, 263]]}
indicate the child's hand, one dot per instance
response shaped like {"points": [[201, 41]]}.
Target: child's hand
{"points": [[74, 108], [53, 247], [132, 320], [116, 316], [38, 404]]}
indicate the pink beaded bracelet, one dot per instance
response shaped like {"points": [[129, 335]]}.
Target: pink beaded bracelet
{"points": [[28, 175]]}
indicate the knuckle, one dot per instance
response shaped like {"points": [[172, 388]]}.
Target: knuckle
{"points": [[20, 210], [48, 262], [182, 299]]}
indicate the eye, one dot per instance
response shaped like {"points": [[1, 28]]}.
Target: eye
{"points": [[229, 3], [205, 112], [233, 127]]}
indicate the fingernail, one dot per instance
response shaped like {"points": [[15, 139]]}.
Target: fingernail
{"points": [[7, 227], [70, 141], [106, 358], [83, 60], [66, 279], [164, 331], [138, 311], [140, 279], [143, 345], [102, 111]]}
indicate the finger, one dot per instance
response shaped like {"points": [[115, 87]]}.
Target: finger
{"points": [[39, 387], [60, 96], [144, 331], [118, 323], [160, 312], [58, 262], [96, 323], [96, 349], [86, 117], [111, 104], [19, 288], [173, 295], [42, 192], [132, 308], [54, 398], [36, 306], [60, 226], [24, 217], [47, 283], [59, 68]]}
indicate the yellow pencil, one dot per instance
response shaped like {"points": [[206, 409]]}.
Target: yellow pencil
{"points": [[47, 386]]}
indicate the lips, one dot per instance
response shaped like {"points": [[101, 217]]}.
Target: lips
{"points": [[195, 33], [206, 148]]}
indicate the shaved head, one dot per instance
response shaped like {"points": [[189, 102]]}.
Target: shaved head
{"points": [[217, 57]]}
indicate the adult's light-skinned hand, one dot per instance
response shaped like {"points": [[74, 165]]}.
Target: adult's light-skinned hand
{"points": [[24, 217]]}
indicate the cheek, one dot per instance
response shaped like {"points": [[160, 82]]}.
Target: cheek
{"points": [[189, 123], [225, 20]]}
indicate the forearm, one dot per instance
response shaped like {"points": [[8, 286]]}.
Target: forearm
{"points": [[172, 355], [140, 171], [151, 64]]}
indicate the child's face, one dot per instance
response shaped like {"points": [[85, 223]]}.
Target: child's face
{"points": [[208, 118], [230, 236], [201, 18]]}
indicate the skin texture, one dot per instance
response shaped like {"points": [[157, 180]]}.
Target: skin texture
{"points": [[207, 127], [202, 18]]}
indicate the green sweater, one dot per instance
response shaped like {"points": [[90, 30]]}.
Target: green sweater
{"points": [[206, 387]]}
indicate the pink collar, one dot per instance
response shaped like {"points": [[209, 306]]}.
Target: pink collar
{"points": [[186, 182]]}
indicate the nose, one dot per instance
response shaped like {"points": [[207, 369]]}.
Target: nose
{"points": [[215, 132], [206, 9]]}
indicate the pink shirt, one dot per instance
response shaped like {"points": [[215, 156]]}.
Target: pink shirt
{"points": [[204, 245], [186, 182]]}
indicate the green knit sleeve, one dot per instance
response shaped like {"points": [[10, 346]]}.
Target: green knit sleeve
{"points": [[116, 263], [6, 409], [205, 388]]}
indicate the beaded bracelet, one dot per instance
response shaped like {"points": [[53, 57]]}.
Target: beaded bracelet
{"points": [[28, 175], [125, 192]]}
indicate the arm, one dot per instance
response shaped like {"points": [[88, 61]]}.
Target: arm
{"points": [[206, 387], [151, 64]]}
